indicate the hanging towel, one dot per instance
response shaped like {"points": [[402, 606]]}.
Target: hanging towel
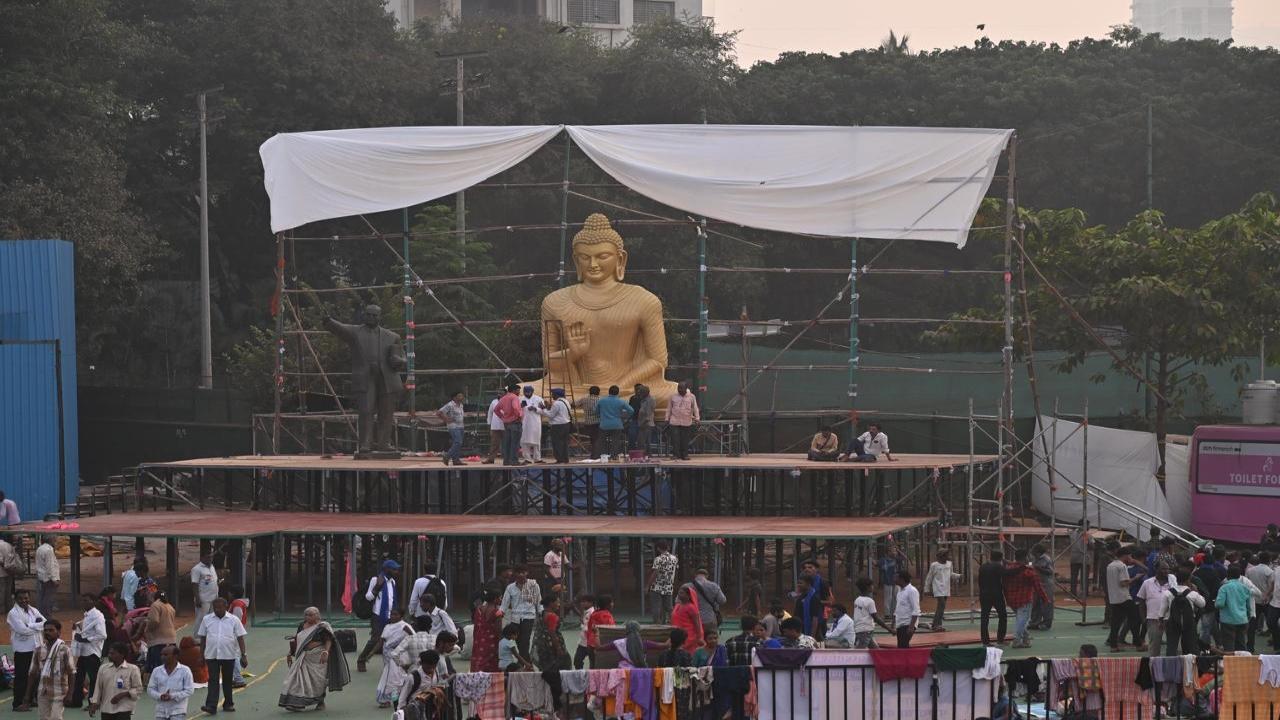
{"points": [[530, 692], [991, 669], [574, 682], [668, 686], [909, 663], [1270, 673], [471, 687], [729, 688], [1090, 674], [950, 658], [783, 657], [1242, 695], [1168, 670], [751, 703], [1062, 675], [641, 693], [1125, 700], [493, 706]]}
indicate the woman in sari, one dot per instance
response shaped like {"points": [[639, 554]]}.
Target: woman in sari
{"points": [[486, 624], [316, 665], [395, 633], [685, 616]]}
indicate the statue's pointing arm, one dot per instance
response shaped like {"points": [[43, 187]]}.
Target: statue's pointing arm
{"points": [[342, 330]]}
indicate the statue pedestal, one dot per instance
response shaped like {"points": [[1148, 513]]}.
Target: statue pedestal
{"points": [[378, 455]]}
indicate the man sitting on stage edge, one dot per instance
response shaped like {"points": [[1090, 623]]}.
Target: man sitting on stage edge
{"points": [[825, 446], [869, 446]]}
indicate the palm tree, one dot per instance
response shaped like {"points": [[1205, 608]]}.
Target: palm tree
{"points": [[894, 45]]}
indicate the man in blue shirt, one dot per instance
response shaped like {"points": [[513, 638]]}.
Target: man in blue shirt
{"points": [[1233, 602], [613, 413]]}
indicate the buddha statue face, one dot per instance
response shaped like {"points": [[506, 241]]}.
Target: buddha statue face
{"points": [[598, 253], [600, 263]]}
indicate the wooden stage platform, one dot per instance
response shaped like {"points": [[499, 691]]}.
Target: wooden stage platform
{"points": [[244, 525], [762, 461]]}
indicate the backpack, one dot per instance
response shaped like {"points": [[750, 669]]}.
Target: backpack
{"points": [[435, 588], [1181, 613], [714, 607], [361, 607]]}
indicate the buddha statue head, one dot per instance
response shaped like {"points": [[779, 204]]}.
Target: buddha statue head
{"points": [[598, 253]]}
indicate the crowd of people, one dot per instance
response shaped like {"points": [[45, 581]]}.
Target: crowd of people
{"points": [[610, 427], [124, 642]]}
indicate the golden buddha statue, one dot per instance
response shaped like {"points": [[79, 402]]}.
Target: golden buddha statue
{"points": [[603, 331]]}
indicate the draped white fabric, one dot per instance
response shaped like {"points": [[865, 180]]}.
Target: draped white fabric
{"points": [[1122, 462], [876, 182], [336, 173]]}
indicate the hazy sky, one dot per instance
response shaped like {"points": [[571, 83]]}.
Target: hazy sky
{"points": [[773, 26]]}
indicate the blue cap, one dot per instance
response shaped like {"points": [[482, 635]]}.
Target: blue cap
{"points": [[557, 392], [390, 565]]}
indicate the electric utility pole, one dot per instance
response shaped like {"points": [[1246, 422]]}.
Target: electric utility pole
{"points": [[206, 322], [460, 92]]}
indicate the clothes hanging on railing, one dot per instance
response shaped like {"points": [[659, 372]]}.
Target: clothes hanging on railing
{"points": [[1125, 700]]}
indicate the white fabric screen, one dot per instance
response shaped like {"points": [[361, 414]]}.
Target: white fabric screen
{"points": [[1122, 462], [912, 183], [878, 182], [336, 173]]}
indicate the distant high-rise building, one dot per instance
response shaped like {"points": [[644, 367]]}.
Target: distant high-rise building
{"points": [[1189, 19], [610, 20]]}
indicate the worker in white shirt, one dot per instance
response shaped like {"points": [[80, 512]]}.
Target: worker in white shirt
{"points": [[170, 686], [558, 417], [88, 636], [431, 619], [221, 637], [48, 575], [204, 585], [907, 612], [1178, 611], [25, 626], [868, 447], [496, 431], [937, 581]]}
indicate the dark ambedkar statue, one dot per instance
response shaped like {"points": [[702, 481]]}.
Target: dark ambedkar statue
{"points": [[377, 357]]}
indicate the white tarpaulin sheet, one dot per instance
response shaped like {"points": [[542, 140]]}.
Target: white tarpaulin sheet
{"points": [[881, 182], [336, 173], [1121, 462], [875, 182]]}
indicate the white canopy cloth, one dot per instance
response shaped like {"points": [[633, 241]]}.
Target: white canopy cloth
{"points": [[336, 173], [875, 182], [1121, 462]]}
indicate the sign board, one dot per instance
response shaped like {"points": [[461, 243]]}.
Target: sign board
{"points": [[1227, 467]]}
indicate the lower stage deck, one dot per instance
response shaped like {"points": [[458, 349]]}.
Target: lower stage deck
{"points": [[764, 461], [254, 524]]}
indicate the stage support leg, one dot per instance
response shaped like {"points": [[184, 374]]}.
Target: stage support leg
{"points": [[172, 571], [280, 562], [108, 562]]}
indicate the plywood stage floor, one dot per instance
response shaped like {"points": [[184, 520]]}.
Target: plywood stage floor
{"points": [[762, 461], [248, 524]]}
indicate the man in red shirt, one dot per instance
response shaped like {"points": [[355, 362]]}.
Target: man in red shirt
{"points": [[511, 414], [1021, 589]]}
